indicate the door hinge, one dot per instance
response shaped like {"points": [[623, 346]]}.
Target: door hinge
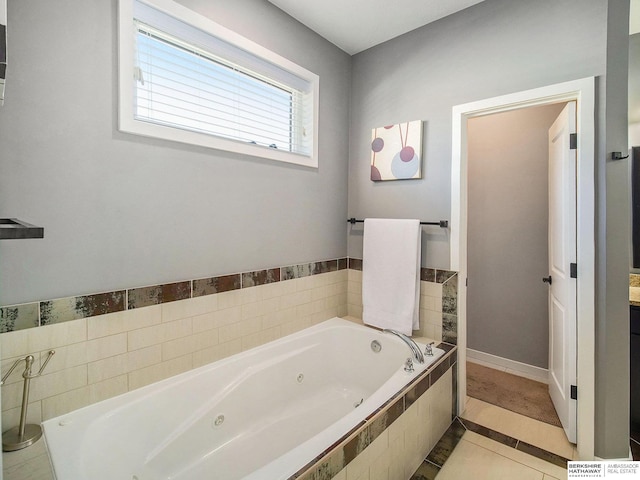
{"points": [[573, 141], [573, 270], [574, 392]]}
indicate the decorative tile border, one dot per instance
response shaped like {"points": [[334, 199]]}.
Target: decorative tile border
{"points": [[73, 308], [426, 471], [490, 433], [147, 296], [355, 264], [532, 450], [48, 312], [426, 274], [210, 286], [304, 270], [19, 317], [330, 462], [261, 277], [447, 444], [449, 306]]}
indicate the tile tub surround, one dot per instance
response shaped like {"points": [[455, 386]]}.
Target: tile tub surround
{"points": [[105, 355], [48, 312], [106, 345], [438, 301], [394, 440]]}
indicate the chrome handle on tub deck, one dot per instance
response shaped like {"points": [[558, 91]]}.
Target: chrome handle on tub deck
{"points": [[408, 365], [428, 349], [417, 354]]}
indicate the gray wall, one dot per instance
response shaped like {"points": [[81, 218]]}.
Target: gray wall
{"points": [[613, 233], [122, 211], [634, 78], [507, 232], [634, 90], [490, 49]]}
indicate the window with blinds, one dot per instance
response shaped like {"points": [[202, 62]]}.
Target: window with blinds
{"points": [[185, 78]]}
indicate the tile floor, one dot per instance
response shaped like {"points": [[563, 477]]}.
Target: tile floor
{"points": [[479, 457], [29, 464], [491, 443], [525, 429]]}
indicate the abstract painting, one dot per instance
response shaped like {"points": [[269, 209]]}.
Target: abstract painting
{"points": [[396, 151]]}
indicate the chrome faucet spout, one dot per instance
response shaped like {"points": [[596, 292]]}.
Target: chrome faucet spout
{"points": [[415, 350]]}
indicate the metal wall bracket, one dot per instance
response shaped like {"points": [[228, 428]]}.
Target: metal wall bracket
{"points": [[618, 156], [12, 228]]}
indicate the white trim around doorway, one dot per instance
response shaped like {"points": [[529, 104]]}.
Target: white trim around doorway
{"points": [[583, 92]]}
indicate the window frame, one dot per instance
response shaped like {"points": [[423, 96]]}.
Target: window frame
{"points": [[126, 86]]}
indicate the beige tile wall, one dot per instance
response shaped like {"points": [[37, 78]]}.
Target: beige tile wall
{"points": [[100, 357], [399, 450], [430, 305]]}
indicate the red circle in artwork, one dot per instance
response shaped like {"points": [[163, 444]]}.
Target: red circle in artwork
{"points": [[407, 154], [377, 144]]}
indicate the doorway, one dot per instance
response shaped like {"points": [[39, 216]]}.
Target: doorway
{"points": [[583, 92], [508, 269]]}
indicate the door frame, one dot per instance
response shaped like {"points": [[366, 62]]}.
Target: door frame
{"points": [[581, 91]]}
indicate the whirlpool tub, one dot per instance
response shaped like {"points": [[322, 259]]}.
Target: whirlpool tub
{"points": [[261, 414]]}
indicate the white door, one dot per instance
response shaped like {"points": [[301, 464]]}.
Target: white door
{"points": [[562, 253]]}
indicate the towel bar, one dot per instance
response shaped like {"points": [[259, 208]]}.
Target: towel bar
{"points": [[441, 223]]}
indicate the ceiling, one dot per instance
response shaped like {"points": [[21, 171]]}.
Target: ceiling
{"points": [[355, 25]]}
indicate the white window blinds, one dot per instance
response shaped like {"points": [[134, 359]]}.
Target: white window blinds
{"points": [[187, 79]]}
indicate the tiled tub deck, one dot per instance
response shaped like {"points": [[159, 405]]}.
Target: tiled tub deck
{"points": [[393, 441], [390, 443]]}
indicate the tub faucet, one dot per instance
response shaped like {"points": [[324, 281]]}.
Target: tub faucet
{"points": [[417, 354]]}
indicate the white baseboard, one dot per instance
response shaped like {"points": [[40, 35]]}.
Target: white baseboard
{"points": [[509, 366]]}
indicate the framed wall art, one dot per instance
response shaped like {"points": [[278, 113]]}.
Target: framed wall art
{"points": [[396, 152]]}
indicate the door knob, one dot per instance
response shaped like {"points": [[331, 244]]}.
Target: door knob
{"points": [[547, 279]]}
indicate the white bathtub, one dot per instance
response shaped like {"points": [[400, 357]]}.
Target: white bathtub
{"points": [[262, 414]]}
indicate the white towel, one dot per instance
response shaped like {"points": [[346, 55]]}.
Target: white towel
{"points": [[391, 274]]}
